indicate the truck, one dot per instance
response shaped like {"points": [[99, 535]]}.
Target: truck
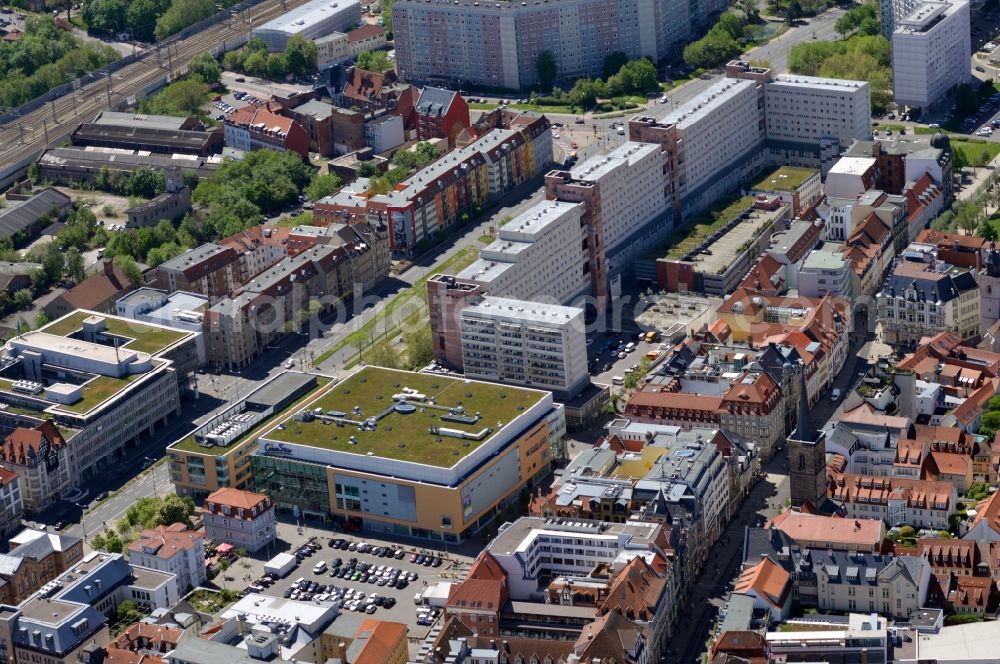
{"points": [[281, 565]]}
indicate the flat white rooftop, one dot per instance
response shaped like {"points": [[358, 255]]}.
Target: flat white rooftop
{"points": [[626, 154], [536, 219], [308, 14], [975, 642], [539, 312], [852, 165], [709, 100], [816, 82]]}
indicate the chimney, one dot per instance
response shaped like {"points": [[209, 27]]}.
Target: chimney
{"points": [[109, 269], [342, 652]]}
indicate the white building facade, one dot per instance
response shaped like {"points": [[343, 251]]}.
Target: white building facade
{"points": [[931, 51], [525, 343]]}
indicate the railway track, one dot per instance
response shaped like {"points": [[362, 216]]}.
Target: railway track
{"points": [[30, 134]]}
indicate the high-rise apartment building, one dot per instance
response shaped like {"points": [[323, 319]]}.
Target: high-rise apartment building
{"points": [[498, 44], [519, 342], [931, 50]]}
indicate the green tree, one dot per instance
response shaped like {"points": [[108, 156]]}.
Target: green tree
{"points": [[128, 612], [749, 8], [547, 68], [161, 254], [23, 299], [190, 179], [183, 98], [322, 185], [367, 169], [277, 67], [141, 15], [146, 182], [130, 268], [989, 424], [382, 354], [175, 509], [53, 262], [794, 12], [711, 50], [300, 55], [205, 67], [978, 491], [376, 61], [419, 347], [41, 320], [256, 64], [181, 14], [74, 265], [104, 16], [613, 63]]}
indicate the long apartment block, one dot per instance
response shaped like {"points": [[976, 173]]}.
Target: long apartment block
{"points": [[497, 44]]}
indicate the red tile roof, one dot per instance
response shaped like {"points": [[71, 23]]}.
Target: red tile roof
{"points": [[237, 499], [767, 580], [166, 541]]}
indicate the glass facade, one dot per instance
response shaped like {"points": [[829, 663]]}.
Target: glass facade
{"points": [[291, 482]]}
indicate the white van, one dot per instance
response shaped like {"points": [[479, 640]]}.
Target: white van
{"points": [[319, 567], [617, 380]]}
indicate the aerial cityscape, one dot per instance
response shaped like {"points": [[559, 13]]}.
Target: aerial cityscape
{"points": [[500, 332]]}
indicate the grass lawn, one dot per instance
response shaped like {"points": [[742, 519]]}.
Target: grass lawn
{"points": [[972, 148], [145, 338], [98, 390], [455, 263], [486, 239], [405, 436], [704, 225], [304, 219], [785, 178]]}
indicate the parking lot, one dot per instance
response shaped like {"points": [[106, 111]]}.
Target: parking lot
{"points": [[381, 579], [609, 354]]}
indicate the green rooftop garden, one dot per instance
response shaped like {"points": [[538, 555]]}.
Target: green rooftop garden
{"points": [[785, 178], [146, 338], [405, 436], [189, 444], [99, 390], [702, 227]]}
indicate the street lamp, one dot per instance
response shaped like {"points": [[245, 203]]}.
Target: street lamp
{"points": [[152, 472]]}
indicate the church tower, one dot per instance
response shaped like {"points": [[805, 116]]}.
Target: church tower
{"points": [[989, 289], [807, 456]]}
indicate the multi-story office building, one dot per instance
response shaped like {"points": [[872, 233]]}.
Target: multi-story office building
{"points": [[104, 381], [516, 342], [312, 20], [420, 455], [931, 50], [175, 549], [497, 45], [921, 299], [242, 518], [812, 120], [217, 454]]}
